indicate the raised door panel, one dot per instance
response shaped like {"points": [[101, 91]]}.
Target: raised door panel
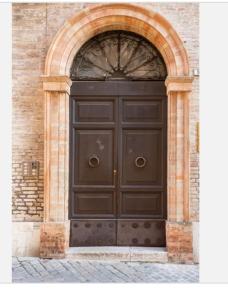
{"points": [[93, 157], [93, 204], [142, 157], [146, 204], [142, 111], [93, 111]]}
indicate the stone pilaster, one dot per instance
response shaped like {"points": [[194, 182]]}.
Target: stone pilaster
{"points": [[55, 229], [179, 227]]}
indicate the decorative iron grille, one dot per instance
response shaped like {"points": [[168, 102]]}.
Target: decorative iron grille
{"points": [[118, 55]]}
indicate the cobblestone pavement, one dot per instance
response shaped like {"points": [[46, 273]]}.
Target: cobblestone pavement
{"points": [[29, 269]]}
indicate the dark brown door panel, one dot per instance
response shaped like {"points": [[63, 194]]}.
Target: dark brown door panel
{"points": [[93, 233], [94, 110], [93, 205], [141, 110], [94, 157], [150, 233], [138, 204], [141, 157]]}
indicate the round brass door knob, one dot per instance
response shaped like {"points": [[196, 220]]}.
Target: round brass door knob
{"points": [[140, 162], [94, 161]]}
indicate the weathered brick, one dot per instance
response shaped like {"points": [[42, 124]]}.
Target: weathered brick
{"points": [[54, 239], [179, 242]]}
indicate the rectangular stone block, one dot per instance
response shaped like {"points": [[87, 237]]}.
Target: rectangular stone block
{"points": [[26, 238], [54, 239], [179, 242]]}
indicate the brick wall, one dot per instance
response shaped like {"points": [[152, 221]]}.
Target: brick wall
{"points": [[34, 27], [29, 50]]}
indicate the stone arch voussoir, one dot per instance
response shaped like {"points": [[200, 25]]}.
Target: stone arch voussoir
{"points": [[99, 18]]}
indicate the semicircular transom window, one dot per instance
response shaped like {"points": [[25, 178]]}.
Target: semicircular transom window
{"points": [[118, 55]]}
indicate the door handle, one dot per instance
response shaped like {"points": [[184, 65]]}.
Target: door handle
{"points": [[94, 161], [140, 162]]}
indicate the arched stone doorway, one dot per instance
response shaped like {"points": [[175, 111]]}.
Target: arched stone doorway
{"points": [[118, 141], [56, 84]]}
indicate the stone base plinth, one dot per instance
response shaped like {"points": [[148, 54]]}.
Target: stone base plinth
{"points": [[25, 238], [54, 239], [179, 242]]}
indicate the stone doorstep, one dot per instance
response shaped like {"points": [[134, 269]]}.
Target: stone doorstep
{"points": [[137, 254]]}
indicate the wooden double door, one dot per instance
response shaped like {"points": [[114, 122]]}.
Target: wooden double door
{"points": [[117, 160]]}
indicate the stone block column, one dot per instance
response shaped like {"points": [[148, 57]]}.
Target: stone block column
{"points": [[179, 226], [54, 238]]}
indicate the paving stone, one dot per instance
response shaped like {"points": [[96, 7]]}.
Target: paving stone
{"points": [[67, 270]]}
